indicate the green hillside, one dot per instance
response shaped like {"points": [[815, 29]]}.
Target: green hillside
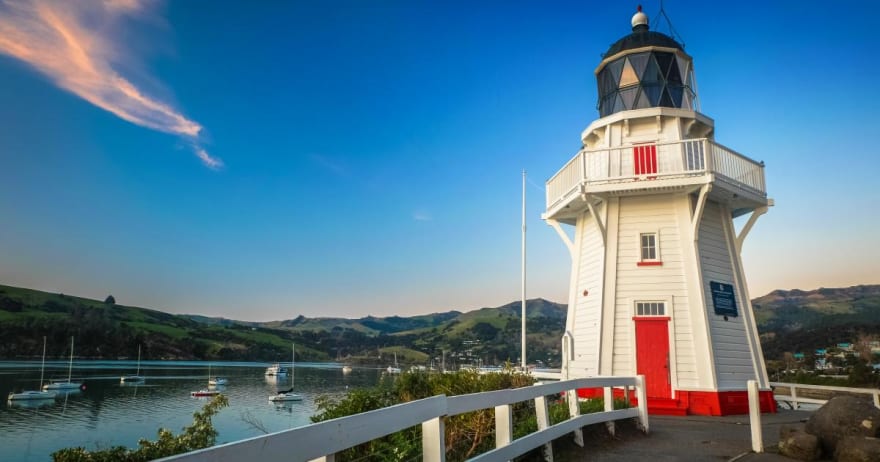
{"points": [[792, 320], [105, 330], [802, 321]]}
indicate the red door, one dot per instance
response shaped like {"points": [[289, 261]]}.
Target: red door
{"points": [[645, 159], [652, 355]]}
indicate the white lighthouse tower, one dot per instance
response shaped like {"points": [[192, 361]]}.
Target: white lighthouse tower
{"points": [[657, 282]]}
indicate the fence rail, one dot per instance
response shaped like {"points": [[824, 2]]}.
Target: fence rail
{"points": [[322, 440], [795, 400], [685, 158]]}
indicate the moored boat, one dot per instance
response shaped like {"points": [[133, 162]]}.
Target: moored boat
{"points": [[34, 394], [204, 392], [137, 377], [276, 369], [68, 385]]}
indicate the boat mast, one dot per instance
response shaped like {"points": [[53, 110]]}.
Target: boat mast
{"points": [[43, 365], [138, 373], [70, 366], [523, 353]]}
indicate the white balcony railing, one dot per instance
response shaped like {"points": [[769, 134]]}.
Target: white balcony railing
{"points": [[323, 440], [664, 160]]}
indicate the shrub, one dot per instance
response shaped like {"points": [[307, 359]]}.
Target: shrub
{"points": [[201, 434]]}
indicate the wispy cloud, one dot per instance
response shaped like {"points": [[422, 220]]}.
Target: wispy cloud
{"points": [[335, 166], [421, 215], [73, 44]]}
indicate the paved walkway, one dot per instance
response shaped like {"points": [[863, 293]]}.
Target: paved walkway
{"points": [[690, 438]]}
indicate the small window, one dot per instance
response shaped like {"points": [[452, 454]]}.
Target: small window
{"points": [[649, 246], [650, 309]]}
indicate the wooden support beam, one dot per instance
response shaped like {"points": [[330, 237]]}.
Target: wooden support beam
{"points": [[698, 211], [748, 226], [565, 238]]}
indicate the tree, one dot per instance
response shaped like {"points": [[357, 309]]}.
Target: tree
{"points": [[201, 434], [110, 300]]}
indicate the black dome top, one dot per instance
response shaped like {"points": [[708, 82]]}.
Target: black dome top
{"points": [[642, 37]]}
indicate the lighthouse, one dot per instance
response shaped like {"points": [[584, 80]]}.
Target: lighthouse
{"points": [[646, 209]]}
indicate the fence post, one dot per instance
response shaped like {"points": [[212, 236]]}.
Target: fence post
{"points": [[793, 393], [543, 417], [609, 406], [503, 425], [755, 417], [574, 410], [434, 440], [642, 396], [877, 399]]}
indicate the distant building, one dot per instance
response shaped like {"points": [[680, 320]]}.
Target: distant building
{"points": [[821, 351], [845, 346], [799, 356]]}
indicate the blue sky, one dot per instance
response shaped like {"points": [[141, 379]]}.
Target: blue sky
{"points": [[261, 160]]}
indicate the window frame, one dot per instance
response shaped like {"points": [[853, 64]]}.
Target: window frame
{"points": [[661, 305], [657, 260]]}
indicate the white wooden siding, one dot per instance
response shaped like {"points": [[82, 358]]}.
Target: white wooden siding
{"points": [[586, 328], [733, 361], [641, 215]]}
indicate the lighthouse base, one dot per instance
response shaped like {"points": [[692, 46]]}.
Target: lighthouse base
{"points": [[712, 403]]}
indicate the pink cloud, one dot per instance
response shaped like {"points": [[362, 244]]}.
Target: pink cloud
{"points": [[71, 43]]}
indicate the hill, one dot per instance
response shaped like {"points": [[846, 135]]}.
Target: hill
{"points": [[110, 331], [802, 321], [793, 320]]}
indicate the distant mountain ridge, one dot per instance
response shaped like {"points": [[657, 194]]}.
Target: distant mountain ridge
{"points": [[788, 320]]}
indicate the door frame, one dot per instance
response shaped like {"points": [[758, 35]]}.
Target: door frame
{"points": [[666, 320]]}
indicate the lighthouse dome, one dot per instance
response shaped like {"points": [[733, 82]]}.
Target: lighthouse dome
{"points": [[644, 69]]}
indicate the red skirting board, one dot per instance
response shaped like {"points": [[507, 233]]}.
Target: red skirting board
{"points": [[696, 402]]}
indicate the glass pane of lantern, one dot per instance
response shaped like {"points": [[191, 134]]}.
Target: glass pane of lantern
{"points": [[638, 62], [664, 60], [675, 92], [642, 101], [652, 72], [665, 99], [629, 96], [618, 104], [674, 75], [628, 76], [683, 68], [653, 94], [615, 67]]}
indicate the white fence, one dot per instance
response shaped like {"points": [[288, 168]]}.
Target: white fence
{"points": [[323, 440], [668, 160], [795, 400]]}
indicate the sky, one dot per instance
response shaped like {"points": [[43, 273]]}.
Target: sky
{"points": [[263, 160]]}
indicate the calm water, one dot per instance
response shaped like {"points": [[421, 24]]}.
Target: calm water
{"points": [[108, 413]]}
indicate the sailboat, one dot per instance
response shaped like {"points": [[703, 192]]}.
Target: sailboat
{"points": [[214, 381], [288, 395], [395, 369], [68, 385], [137, 377], [35, 394]]}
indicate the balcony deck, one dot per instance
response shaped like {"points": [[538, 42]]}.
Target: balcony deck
{"points": [[674, 166]]}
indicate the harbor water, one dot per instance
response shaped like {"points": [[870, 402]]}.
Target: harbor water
{"points": [[108, 413]]}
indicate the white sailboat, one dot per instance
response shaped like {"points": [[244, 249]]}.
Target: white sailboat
{"points": [[288, 395], [137, 377], [214, 381], [395, 369], [68, 385], [35, 394]]}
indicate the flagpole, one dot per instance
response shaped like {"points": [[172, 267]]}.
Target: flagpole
{"points": [[523, 353]]}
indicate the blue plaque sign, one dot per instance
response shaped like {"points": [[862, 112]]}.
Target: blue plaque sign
{"points": [[723, 299]]}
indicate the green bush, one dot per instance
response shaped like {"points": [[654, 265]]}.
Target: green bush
{"points": [[201, 434], [467, 435]]}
